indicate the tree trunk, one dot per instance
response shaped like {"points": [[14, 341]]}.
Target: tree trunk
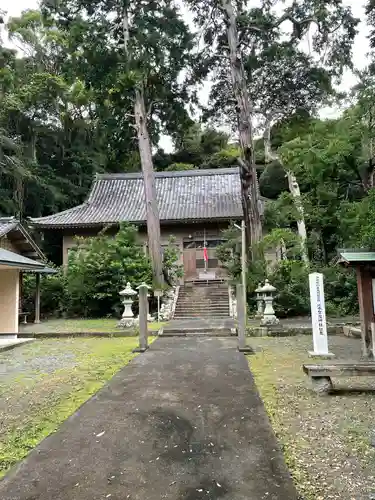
{"points": [[18, 195], [145, 153], [152, 211], [296, 193], [249, 182], [293, 188]]}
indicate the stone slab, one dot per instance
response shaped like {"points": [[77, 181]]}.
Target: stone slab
{"points": [[183, 421], [6, 344]]}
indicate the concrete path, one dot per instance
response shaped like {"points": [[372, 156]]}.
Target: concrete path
{"points": [[181, 422]]}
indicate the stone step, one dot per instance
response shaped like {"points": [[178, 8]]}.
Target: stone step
{"points": [[204, 290], [204, 300], [199, 299], [203, 297], [191, 293], [200, 316], [184, 332], [202, 311], [203, 304]]}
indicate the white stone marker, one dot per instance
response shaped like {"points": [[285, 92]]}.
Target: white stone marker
{"points": [[318, 316]]}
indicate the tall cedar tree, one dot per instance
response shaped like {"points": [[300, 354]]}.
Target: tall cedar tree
{"points": [[139, 49], [261, 69]]}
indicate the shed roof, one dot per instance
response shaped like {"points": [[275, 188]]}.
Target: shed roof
{"points": [[356, 256], [16, 260], [20, 237], [7, 224], [191, 195]]}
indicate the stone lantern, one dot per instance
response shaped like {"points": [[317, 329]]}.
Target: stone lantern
{"points": [[260, 301], [269, 317], [127, 295]]}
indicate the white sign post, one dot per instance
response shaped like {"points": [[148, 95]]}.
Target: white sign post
{"points": [[318, 316]]}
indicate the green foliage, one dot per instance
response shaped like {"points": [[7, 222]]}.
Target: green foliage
{"points": [[99, 269], [179, 166], [225, 158], [287, 240], [229, 252], [358, 221], [52, 294], [273, 181], [290, 277], [171, 265], [291, 280]]}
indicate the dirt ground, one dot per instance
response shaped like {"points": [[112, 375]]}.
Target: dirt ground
{"points": [[329, 441], [44, 382]]}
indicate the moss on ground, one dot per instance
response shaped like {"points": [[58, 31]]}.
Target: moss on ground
{"points": [[325, 440], [47, 381]]}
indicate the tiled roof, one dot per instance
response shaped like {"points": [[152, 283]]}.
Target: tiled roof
{"points": [[7, 224], [192, 195]]}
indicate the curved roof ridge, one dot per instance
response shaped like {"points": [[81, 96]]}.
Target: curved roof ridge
{"points": [[188, 195], [64, 212], [168, 174]]}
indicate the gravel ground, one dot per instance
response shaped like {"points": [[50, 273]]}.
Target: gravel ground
{"points": [[44, 382], [329, 441]]}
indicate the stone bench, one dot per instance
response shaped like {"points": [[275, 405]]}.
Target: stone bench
{"points": [[321, 374]]}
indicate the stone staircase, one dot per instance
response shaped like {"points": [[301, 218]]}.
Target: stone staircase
{"points": [[203, 299]]}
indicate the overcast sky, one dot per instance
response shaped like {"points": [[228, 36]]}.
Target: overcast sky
{"points": [[361, 47]]}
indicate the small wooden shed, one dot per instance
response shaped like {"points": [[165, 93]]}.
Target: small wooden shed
{"points": [[363, 261], [11, 264], [19, 254]]}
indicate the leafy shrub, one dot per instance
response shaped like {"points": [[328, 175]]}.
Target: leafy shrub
{"points": [[100, 267], [290, 278], [340, 287]]}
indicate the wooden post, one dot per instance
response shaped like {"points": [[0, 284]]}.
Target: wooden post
{"points": [[37, 299], [244, 264], [143, 309], [20, 292], [364, 285], [241, 320]]}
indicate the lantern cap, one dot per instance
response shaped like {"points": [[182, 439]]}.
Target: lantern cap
{"points": [[268, 288], [128, 291], [259, 289]]}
